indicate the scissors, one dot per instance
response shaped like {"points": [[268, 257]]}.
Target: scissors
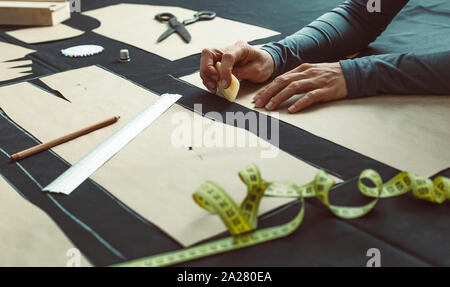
{"points": [[176, 26]]}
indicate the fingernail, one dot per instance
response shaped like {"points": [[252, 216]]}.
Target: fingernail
{"points": [[259, 103], [291, 109], [224, 84], [269, 105]]}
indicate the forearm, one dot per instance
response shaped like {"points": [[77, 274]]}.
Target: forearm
{"points": [[398, 74], [336, 34]]}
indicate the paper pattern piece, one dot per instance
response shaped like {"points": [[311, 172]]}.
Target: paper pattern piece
{"points": [[36, 35], [150, 175], [407, 132], [139, 28], [29, 238], [11, 70], [15, 69]]}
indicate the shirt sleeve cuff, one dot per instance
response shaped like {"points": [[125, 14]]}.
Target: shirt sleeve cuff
{"points": [[351, 78], [275, 53]]}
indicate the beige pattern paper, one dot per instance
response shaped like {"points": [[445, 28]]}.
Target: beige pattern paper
{"points": [[15, 69], [138, 27], [29, 238], [10, 70], [151, 175], [407, 132], [36, 35]]}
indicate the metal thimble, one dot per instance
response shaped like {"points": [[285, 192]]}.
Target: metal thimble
{"points": [[124, 55]]}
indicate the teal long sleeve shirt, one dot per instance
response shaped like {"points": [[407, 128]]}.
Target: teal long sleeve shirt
{"points": [[350, 28]]}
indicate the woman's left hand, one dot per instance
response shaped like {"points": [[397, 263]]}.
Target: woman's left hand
{"points": [[319, 82]]}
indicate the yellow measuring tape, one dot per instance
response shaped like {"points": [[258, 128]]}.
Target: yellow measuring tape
{"points": [[242, 220]]}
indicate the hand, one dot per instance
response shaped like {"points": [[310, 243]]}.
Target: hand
{"points": [[244, 61], [319, 82]]}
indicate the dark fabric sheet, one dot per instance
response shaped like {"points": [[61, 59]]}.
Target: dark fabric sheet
{"points": [[408, 232]]}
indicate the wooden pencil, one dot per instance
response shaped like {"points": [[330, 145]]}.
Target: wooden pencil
{"points": [[48, 145]]}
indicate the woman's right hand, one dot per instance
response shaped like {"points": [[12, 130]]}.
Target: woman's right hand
{"points": [[241, 59]]}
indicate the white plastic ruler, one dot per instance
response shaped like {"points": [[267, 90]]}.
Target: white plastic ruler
{"points": [[83, 169]]}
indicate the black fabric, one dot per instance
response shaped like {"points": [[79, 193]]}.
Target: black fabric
{"points": [[409, 232]]}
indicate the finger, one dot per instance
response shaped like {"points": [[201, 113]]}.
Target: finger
{"points": [[231, 56], [245, 72], [262, 97], [307, 100], [301, 68], [207, 69], [304, 67], [208, 82], [212, 87], [294, 88]]}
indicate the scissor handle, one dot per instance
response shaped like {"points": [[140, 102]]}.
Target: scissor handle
{"points": [[164, 16], [199, 16], [205, 15]]}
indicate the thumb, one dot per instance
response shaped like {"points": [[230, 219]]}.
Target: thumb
{"points": [[247, 72], [243, 72]]}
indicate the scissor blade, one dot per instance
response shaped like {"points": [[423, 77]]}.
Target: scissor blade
{"points": [[181, 30], [165, 34]]}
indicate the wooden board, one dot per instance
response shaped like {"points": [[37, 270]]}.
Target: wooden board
{"points": [[31, 13]]}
